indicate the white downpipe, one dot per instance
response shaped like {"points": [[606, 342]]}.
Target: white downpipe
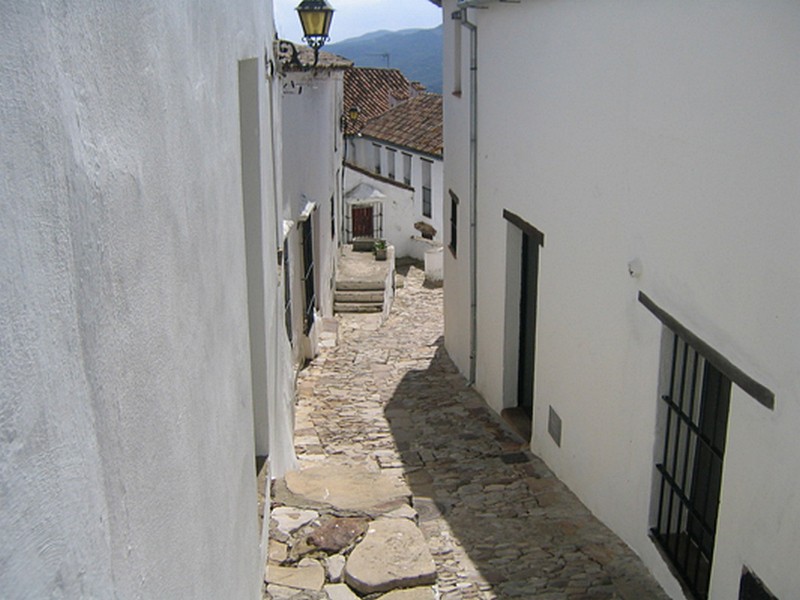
{"points": [[473, 192]]}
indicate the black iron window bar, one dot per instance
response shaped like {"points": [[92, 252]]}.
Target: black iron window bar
{"points": [[427, 204], [287, 291], [308, 276], [377, 222], [691, 468]]}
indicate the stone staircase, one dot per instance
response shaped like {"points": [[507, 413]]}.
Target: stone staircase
{"points": [[358, 297], [361, 282]]}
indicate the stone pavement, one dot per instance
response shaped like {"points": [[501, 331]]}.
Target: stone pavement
{"points": [[386, 407]]}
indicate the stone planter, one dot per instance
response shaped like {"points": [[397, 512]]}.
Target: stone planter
{"points": [[380, 249]]}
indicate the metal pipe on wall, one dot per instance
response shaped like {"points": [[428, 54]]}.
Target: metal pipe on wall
{"points": [[473, 190]]}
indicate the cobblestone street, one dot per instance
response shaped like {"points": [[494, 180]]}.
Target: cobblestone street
{"points": [[498, 524]]}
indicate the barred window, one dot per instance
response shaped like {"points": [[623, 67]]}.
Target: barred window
{"points": [[308, 275], [406, 168], [287, 291], [694, 409], [391, 157], [453, 244], [376, 158], [427, 197]]}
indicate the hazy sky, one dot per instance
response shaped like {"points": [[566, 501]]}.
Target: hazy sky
{"points": [[355, 17]]}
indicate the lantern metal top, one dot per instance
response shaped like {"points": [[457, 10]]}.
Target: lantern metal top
{"points": [[316, 17]]}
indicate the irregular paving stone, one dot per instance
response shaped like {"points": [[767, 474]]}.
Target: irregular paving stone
{"points": [[346, 487], [338, 533], [420, 593], [334, 565], [280, 592], [307, 577], [392, 555], [308, 562], [277, 551], [390, 390], [404, 512], [288, 519], [339, 591], [300, 548]]}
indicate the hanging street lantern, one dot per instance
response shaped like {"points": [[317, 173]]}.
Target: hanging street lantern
{"points": [[315, 17]]}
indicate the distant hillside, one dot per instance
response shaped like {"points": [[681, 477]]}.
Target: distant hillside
{"points": [[416, 52]]}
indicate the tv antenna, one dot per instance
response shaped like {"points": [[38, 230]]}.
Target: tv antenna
{"points": [[385, 55]]}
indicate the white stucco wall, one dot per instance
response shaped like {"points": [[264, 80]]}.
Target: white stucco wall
{"points": [[313, 147], [127, 445], [456, 180], [363, 152], [666, 133], [399, 213]]}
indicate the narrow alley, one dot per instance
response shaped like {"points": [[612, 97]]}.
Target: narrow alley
{"points": [[387, 400]]}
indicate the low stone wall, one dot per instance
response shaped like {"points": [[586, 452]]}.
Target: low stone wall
{"points": [[388, 289]]}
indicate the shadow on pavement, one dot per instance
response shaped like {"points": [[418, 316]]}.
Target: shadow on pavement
{"points": [[498, 523]]}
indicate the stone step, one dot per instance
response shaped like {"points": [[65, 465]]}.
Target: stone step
{"points": [[358, 296], [358, 307], [348, 284]]}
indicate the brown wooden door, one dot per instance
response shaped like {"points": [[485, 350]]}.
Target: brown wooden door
{"points": [[362, 221]]}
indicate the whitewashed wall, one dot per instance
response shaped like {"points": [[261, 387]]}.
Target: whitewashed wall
{"points": [[667, 132], [457, 181], [362, 149], [398, 212], [127, 446], [313, 147]]}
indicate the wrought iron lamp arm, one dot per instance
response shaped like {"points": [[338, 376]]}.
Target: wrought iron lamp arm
{"points": [[285, 47]]}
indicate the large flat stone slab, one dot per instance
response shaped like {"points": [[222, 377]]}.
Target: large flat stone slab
{"points": [[347, 488], [307, 577], [392, 555]]}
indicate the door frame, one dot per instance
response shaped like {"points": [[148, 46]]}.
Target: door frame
{"points": [[517, 229]]}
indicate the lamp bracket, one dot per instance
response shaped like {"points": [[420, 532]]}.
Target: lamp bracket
{"points": [[287, 47]]}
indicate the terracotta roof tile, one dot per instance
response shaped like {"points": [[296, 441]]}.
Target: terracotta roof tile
{"points": [[373, 91], [415, 124]]}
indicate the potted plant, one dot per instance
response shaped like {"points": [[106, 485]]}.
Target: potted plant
{"points": [[380, 249]]}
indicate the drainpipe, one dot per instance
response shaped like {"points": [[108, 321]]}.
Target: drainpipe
{"points": [[473, 189]]}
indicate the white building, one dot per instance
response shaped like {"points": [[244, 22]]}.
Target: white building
{"points": [[313, 150], [634, 176], [394, 147], [142, 357]]}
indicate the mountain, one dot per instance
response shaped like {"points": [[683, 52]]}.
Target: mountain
{"points": [[416, 52]]}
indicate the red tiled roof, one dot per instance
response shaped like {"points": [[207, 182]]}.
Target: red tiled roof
{"points": [[373, 91], [415, 124]]}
